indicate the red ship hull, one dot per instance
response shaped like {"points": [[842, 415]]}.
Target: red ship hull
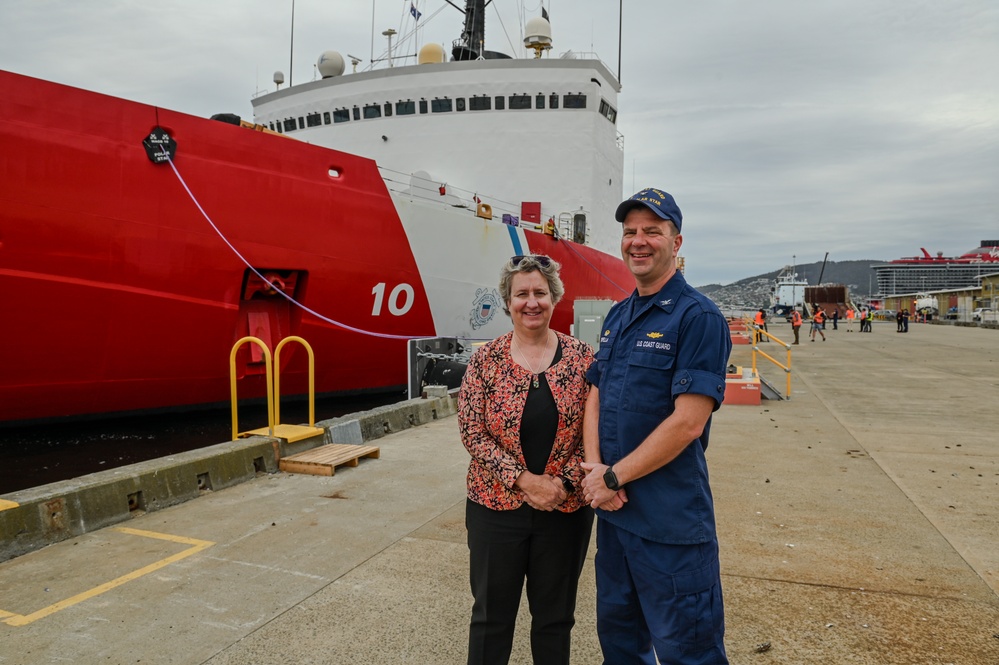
{"points": [[120, 296]]}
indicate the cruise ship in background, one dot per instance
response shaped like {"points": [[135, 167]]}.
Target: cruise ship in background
{"points": [[927, 273]]}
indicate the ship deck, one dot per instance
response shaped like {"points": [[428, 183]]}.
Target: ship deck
{"points": [[857, 524]]}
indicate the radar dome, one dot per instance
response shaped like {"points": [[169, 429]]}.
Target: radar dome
{"points": [[330, 64], [538, 35], [431, 54]]}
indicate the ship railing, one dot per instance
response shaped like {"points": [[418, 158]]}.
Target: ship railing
{"points": [[572, 54], [758, 335], [405, 184]]}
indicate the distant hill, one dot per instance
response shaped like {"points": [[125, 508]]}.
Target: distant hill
{"points": [[754, 292]]}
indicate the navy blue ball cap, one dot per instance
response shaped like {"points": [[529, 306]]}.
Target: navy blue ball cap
{"points": [[655, 200]]}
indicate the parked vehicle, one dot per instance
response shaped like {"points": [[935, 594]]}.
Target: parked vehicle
{"points": [[926, 304], [980, 312]]}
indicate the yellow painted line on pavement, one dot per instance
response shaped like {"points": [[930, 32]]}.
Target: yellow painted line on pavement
{"points": [[196, 546], [7, 505]]}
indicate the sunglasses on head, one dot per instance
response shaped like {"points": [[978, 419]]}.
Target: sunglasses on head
{"points": [[541, 259]]}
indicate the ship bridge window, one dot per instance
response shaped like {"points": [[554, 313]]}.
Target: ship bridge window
{"points": [[388, 109], [520, 102], [500, 102], [608, 111], [341, 115], [405, 108], [459, 104], [301, 122], [483, 103], [423, 106], [372, 111], [326, 118], [357, 113], [289, 125], [313, 120], [577, 101], [553, 100], [441, 105], [539, 101]]}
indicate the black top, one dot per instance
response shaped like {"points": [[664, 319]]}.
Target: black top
{"points": [[539, 423]]}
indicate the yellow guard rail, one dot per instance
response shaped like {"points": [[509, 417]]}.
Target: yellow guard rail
{"points": [[270, 383], [757, 334], [274, 425], [312, 378]]}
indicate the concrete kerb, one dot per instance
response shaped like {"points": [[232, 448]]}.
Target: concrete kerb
{"points": [[51, 513], [367, 426], [988, 325]]}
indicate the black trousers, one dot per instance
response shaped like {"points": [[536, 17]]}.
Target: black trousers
{"points": [[506, 547]]}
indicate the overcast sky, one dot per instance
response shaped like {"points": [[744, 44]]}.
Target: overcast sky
{"points": [[862, 128]]}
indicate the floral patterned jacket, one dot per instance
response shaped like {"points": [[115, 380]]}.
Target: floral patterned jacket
{"points": [[490, 407]]}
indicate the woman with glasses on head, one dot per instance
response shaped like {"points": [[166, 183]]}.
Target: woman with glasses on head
{"points": [[520, 414]]}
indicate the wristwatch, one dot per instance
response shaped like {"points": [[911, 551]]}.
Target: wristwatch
{"points": [[610, 479], [567, 484]]}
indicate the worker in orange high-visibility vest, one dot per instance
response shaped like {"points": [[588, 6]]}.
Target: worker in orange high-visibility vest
{"points": [[818, 318], [761, 324], [795, 324]]}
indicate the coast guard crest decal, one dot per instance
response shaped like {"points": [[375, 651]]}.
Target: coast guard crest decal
{"points": [[484, 307]]}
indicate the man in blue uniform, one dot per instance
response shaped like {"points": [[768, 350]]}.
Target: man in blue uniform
{"points": [[658, 376]]}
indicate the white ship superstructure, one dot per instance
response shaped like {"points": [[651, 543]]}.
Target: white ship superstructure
{"points": [[535, 131], [787, 292]]}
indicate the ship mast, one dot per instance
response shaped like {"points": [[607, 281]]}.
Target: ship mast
{"points": [[474, 32], [472, 45]]}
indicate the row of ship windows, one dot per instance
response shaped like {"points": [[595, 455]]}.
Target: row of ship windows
{"points": [[441, 105]]}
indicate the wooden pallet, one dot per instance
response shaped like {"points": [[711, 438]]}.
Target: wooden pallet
{"points": [[323, 461]]}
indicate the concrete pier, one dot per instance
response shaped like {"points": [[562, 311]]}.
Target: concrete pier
{"points": [[857, 523]]}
